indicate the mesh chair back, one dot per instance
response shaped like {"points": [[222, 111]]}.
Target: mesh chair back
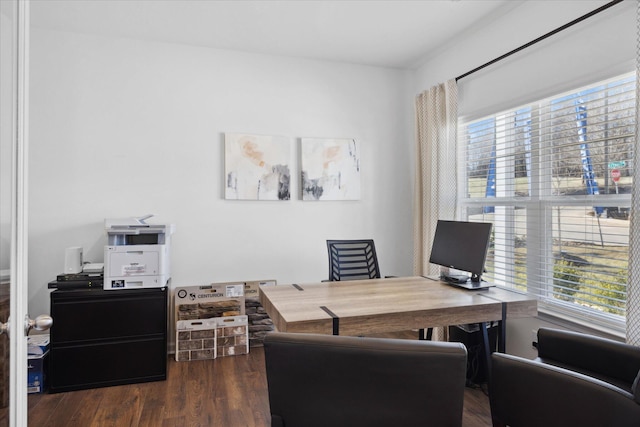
{"points": [[352, 259]]}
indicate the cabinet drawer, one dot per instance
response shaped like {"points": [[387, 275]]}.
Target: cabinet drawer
{"points": [[93, 315], [107, 364]]}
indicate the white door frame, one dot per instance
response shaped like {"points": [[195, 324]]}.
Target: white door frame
{"points": [[19, 292]]}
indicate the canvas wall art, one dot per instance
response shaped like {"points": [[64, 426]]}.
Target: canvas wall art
{"points": [[330, 169], [257, 167]]}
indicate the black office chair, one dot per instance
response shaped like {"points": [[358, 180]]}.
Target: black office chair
{"points": [[576, 380], [328, 380], [352, 260]]}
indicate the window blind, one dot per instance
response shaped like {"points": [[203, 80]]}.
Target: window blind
{"points": [[554, 177]]}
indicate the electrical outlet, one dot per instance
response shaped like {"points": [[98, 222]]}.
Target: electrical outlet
{"points": [[534, 338]]}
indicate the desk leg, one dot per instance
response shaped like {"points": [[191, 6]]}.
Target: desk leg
{"points": [[429, 335], [502, 342], [336, 319]]}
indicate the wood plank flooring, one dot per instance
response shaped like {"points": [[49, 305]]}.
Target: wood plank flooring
{"points": [[226, 392]]}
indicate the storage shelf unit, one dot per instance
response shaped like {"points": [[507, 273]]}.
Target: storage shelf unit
{"points": [[102, 338]]}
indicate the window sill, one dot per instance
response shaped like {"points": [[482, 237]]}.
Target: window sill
{"points": [[561, 318]]}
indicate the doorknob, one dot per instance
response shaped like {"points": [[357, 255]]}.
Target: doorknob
{"points": [[40, 323]]}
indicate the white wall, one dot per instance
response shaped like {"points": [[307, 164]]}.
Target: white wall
{"points": [[121, 128]]}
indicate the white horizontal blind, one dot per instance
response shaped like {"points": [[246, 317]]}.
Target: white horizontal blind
{"points": [[555, 177]]}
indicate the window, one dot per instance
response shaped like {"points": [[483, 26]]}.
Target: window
{"points": [[555, 177]]}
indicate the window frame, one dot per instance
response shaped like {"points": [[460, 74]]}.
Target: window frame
{"points": [[538, 205]]}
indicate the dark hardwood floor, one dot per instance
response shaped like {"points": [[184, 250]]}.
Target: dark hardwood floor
{"points": [[225, 392]]}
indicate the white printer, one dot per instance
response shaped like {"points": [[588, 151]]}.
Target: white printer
{"points": [[137, 254]]}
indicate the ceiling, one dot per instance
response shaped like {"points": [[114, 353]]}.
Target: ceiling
{"points": [[392, 33]]}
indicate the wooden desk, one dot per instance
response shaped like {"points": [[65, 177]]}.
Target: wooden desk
{"points": [[360, 307]]}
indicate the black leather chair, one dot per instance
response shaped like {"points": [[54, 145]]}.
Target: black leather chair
{"points": [[577, 380], [327, 380], [352, 259]]}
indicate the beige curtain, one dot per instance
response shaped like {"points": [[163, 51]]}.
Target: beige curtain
{"points": [[633, 283], [435, 187]]}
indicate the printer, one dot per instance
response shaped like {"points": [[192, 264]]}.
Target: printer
{"points": [[137, 254]]}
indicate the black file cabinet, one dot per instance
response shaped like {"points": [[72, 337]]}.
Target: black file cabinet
{"points": [[102, 338]]}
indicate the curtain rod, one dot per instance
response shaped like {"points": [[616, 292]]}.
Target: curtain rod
{"points": [[549, 34]]}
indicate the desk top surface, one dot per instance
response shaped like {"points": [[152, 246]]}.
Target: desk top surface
{"points": [[387, 304]]}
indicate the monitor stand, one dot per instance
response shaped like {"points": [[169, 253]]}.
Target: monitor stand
{"points": [[455, 278], [473, 286], [462, 281]]}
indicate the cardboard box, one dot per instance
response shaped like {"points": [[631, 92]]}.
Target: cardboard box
{"points": [[259, 322], [195, 309], [232, 335], [195, 339], [38, 344], [214, 300], [222, 300], [252, 289], [37, 372]]}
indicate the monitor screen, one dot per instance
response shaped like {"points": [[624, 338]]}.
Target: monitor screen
{"points": [[461, 245]]}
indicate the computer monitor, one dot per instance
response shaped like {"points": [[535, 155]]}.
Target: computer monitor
{"points": [[462, 246]]}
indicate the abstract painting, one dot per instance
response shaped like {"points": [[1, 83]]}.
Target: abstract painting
{"points": [[330, 169], [257, 167]]}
